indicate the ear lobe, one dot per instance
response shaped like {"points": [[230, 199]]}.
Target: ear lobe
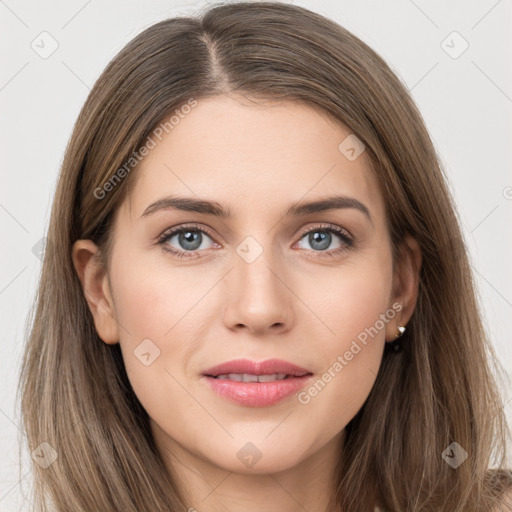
{"points": [[96, 289], [406, 284]]}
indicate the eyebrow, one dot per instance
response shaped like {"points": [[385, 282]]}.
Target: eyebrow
{"points": [[296, 209]]}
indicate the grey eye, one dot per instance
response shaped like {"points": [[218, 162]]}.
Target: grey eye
{"points": [[188, 239], [319, 240]]}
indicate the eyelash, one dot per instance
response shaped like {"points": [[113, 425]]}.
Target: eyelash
{"points": [[347, 240]]}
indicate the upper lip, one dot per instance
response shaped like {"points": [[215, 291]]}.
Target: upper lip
{"points": [[267, 367]]}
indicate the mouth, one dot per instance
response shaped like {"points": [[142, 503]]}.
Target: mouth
{"points": [[247, 377], [256, 384], [245, 370]]}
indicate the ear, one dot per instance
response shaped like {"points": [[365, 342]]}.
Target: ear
{"points": [[96, 289], [405, 285]]}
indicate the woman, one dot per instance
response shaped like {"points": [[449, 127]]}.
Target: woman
{"points": [[256, 293]]}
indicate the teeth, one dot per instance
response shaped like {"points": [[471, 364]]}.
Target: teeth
{"points": [[270, 378], [246, 377]]}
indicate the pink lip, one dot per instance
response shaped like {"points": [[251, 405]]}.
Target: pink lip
{"points": [[257, 394], [267, 367]]}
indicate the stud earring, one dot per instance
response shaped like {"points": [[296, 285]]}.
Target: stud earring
{"points": [[395, 346]]}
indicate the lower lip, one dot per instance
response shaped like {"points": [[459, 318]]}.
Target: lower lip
{"points": [[257, 394]]}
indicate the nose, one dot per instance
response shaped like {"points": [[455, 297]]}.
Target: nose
{"points": [[258, 298]]}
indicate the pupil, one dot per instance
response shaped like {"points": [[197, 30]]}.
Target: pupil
{"points": [[187, 240], [320, 236]]}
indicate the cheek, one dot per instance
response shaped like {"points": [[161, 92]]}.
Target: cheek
{"points": [[335, 309], [152, 300], [157, 309], [355, 308], [351, 300]]}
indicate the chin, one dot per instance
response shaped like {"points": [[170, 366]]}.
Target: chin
{"points": [[259, 457]]}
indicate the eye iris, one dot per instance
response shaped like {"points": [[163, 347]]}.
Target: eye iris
{"points": [[187, 237], [190, 239], [320, 236]]}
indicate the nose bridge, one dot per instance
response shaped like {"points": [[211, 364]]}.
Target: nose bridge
{"points": [[256, 265], [257, 295]]}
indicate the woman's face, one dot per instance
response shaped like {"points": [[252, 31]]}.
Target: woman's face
{"points": [[260, 283]]}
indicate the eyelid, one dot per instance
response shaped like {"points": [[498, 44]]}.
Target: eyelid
{"points": [[343, 233], [183, 227], [303, 231], [324, 225]]}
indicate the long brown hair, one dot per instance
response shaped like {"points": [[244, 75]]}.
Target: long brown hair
{"points": [[440, 390]]}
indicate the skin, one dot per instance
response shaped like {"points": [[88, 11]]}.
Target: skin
{"points": [[291, 303]]}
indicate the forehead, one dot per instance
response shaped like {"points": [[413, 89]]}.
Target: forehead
{"points": [[254, 158]]}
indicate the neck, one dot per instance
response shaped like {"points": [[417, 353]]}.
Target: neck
{"points": [[308, 485]]}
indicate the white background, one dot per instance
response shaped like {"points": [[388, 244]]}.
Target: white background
{"points": [[466, 103]]}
